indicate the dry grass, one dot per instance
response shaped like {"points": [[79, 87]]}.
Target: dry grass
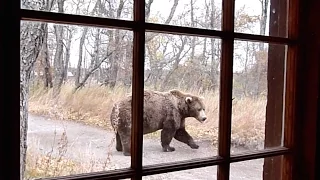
{"points": [[57, 162], [92, 106]]}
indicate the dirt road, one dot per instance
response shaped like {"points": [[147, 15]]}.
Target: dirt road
{"points": [[89, 144]]}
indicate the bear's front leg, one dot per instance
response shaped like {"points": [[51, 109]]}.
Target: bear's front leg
{"points": [[125, 137], [166, 137], [183, 136], [118, 142]]}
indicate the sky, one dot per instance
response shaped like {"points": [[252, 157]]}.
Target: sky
{"points": [[253, 7]]}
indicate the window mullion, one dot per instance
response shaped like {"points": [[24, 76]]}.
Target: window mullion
{"points": [[226, 89], [290, 90], [137, 89]]}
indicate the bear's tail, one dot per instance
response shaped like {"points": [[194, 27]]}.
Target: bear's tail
{"points": [[114, 117]]}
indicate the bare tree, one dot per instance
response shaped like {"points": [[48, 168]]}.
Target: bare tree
{"points": [[31, 35], [214, 64], [115, 38], [148, 7], [79, 66], [263, 25], [69, 36], [97, 58], [78, 84], [58, 58], [263, 18], [167, 21], [180, 53], [45, 59], [193, 41]]}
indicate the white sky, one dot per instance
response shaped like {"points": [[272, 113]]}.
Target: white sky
{"points": [[253, 7]]}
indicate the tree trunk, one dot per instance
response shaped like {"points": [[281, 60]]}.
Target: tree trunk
{"points": [[177, 58], [82, 40], [263, 20], [193, 40], [203, 56], [31, 35], [115, 61], [148, 7], [96, 61], [263, 25], [46, 61], [91, 71], [213, 70], [245, 72], [58, 58], [68, 47]]}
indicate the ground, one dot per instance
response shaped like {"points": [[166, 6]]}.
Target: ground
{"points": [[90, 144]]}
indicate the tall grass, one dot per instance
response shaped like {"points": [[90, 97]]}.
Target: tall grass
{"points": [[92, 105], [56, 162]]}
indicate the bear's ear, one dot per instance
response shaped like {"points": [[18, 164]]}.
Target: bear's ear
{"points": [[188, 99], [176, 92]]}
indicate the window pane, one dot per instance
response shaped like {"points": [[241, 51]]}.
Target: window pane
{"points": [[257, 107], [192, 13], [257, 169], [78, 76], [189, 65], [261, 17], [205, 173], [114, 9]]}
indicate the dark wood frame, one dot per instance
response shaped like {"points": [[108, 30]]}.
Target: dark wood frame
{"points": [[299, 119]]}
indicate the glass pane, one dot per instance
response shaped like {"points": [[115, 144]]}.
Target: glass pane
{"points": [[77, 74], [190, 65], [257, 107], [261, 17], [257, 169], [114, 9], [205, 14], [205, 173]]}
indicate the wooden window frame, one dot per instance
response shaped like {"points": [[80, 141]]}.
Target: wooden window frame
{"points": [[291, 152]]}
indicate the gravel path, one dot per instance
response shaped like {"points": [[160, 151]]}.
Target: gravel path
{"points": [[89, 144]]}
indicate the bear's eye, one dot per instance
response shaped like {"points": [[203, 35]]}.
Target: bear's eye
{"points": [[199, 109]]}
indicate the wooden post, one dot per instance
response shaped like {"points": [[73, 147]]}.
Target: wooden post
{"points": [[274, 111]]}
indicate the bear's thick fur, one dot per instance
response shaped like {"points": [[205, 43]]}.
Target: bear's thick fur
{"points": [[162, 110]]}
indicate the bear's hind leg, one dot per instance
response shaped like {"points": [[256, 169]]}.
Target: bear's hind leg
{"points": [[118, 142], [166, 137]]}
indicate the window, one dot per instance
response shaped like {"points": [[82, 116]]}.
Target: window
{"points": [[225, 159]]}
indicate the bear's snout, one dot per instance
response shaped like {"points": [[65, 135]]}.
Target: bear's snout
{"points": [[202, 116]]}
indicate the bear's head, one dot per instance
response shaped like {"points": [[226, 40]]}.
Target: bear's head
{"points": [[192, 105]]}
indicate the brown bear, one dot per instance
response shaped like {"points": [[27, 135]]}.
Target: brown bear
{"points": [[162, 110]]}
